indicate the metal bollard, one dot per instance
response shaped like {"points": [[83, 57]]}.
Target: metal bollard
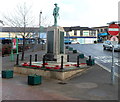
{"points": [[17, 60], [67, 58], [35, 57], [77, 61], [30, 60], [44, 61], [90, 61], [89, 58], [61, 62]]}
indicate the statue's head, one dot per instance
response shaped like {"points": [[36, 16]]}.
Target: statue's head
{"points": [[55, 4]]}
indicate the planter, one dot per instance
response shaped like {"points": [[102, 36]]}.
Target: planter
{"points": [[81, 55], [74, 51], [34, 79], [70, 49], [90, 62], [7, 74]]}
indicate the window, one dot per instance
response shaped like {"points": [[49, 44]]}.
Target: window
{"points": [[67, 34], [101, 30], [98, 30], [75, 32], [105, 30], [91, 33]]}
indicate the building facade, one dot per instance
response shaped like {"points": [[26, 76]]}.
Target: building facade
{"points": [[102, 33], [83, 35], [12, 32]]}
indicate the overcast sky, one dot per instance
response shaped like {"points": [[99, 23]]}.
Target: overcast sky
{"points": [[89, 13]]}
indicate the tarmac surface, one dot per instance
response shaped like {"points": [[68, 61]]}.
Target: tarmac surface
{"points": [[94, 84]]}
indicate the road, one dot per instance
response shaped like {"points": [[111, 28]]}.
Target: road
{"points": [[103, 57]]}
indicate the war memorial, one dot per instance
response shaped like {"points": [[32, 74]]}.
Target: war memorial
{"points": [[55, 63]]}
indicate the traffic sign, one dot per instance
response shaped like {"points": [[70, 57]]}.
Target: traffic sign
{"points": [[114, 38], [14, 43], [114, 42], [113, 29]]}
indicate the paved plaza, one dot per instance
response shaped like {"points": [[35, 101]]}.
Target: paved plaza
{"points": [[94, 84]]}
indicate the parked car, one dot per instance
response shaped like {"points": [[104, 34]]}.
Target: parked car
{"points": [[108, 45], [67, 41], [75, 42], [6, 41]]}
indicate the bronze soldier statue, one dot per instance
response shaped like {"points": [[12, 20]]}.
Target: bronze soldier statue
{"points": [[55, 14]]}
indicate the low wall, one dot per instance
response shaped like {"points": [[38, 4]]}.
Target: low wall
{"points": [[46, 73]]}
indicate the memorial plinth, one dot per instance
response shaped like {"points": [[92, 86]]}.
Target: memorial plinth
{"points": [[52, 70], [55, 44]]}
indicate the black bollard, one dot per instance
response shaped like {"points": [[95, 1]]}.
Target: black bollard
{"points": [[77, 61], [44, 61], [61, 62], [90, 61], [35, 57], [17, 60], [89, 58], [67, 58], [30, 60]]}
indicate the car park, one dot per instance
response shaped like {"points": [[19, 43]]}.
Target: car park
{"points": [[107, 45]]}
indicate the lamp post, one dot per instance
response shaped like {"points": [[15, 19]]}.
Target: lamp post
{"points": [[40, 18], [39, 26]]}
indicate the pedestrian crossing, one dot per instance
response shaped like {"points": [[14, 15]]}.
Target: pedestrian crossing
{"points": [[108, 59]]}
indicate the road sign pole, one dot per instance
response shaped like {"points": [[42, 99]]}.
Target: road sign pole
{"points": [[16, 44], [11, 55], [113, 30], [112, 68]]}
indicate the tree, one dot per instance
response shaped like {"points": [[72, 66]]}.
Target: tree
{"points": [[21, 18]]}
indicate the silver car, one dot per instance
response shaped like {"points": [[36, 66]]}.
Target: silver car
{"points": [[108, 45]]}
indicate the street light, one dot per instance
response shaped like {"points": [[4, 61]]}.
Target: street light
{"points": [[40, 18], [39, 25]]}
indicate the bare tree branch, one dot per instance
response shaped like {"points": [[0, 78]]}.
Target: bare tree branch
{"points": [[20, 18]]}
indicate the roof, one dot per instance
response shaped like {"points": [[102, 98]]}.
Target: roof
{"points": [[37, 29], [100, 27], [21, 29], [77, 28], [86, 28]]}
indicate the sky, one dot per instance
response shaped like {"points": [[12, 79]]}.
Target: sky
{"points": [[84, 13]]}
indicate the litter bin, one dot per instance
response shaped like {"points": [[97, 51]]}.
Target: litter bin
{"points": [[34, 79], [70, 49], [74, 51], [90, 62], [81, 55], [7, 74]]}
